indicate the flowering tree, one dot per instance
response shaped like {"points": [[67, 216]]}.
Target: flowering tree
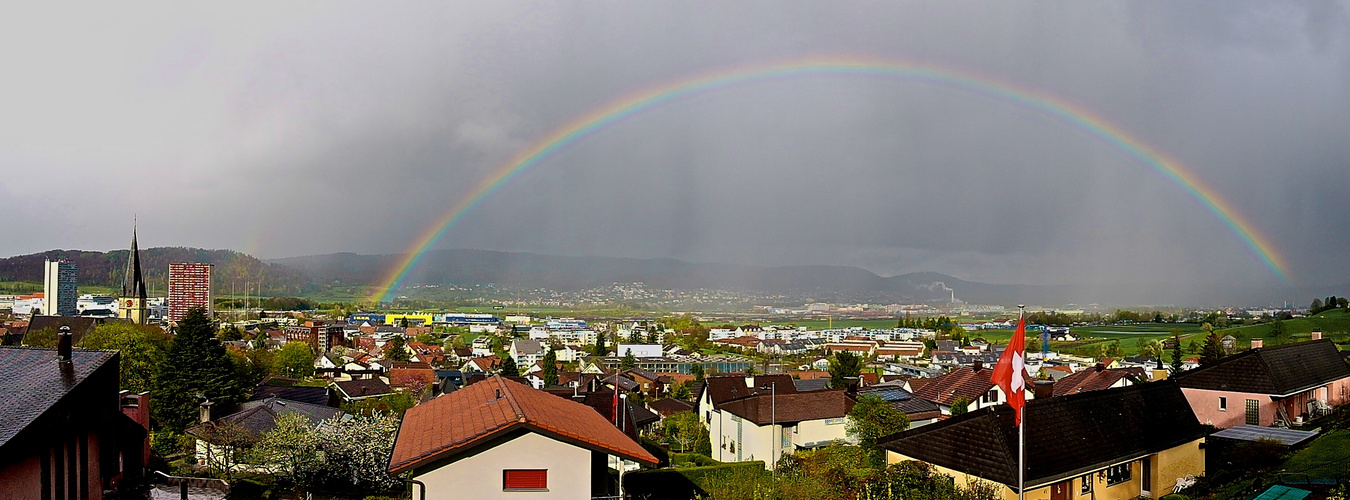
{"points": [[356, 451], [292, 451]]}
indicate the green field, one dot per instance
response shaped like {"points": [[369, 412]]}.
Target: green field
{"points": [[1325, 457]]}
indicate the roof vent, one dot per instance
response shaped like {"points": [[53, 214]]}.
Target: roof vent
{"points": [[63, 343]]}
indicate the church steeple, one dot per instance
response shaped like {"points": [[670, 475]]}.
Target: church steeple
{"points": [[133, 285]]}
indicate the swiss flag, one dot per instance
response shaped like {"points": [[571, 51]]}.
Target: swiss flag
{"points": [[1010, 374]]}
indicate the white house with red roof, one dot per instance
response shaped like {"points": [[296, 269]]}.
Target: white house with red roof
{"points": [[498, 438]]}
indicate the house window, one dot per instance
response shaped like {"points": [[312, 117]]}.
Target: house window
{"points": [[1223, 403], [1117, 474], [991, 396], [525, 480], [1086, 488], [1253, 412], [834, 421]]}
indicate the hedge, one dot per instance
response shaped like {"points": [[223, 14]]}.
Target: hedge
{"points": [[684, 482]]}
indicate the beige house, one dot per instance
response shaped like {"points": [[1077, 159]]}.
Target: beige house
{"points": [[1109, 444], [502, 439]]}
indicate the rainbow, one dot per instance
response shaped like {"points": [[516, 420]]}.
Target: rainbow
{"points": [[631, 105]]}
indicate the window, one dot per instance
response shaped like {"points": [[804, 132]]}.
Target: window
{"points": [[1223, 403], [1086, 489], [1117, 474], [525, 480], [991, 396], [1253, 412], [834, 421]]}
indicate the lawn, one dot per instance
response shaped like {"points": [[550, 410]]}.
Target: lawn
{"points": [[1326, 457]]}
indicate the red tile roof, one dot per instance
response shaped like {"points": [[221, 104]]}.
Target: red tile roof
{"points": [[463, 419], [1093, 380], [964, 381]]}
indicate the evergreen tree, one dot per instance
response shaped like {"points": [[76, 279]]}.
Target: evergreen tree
{"points": [[844, 365], [1212, 351], [600, 348], [960, 406], [195, 368], [1176, 350], [509, 368], [697, 371], [397, 349], [629, 360], [550, 369]]}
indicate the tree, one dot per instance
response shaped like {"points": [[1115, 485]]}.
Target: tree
{"points": [[1342, 302], [396, 348], [681, 391], [509, 368], [1193, 347], [1316, 306], [1176, 350], [873, 418], [195, 368], [142, 349], [960, 406], [292, 450], [1212, 352], [356, 452], [1113, 350], [295, 359], [845, 365], [685, 430], [697, 371], [230, 332], [45, 337], [550, 368], [600, 349], [629, 361]]}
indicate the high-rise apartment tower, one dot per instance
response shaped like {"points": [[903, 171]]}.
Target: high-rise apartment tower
{"points": [[58, 288], [189, 287]]}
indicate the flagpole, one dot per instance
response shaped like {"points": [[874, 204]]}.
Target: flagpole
{"points": [[1021, 429]]}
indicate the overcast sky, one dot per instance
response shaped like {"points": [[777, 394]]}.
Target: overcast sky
{"points": [[295, 128]]}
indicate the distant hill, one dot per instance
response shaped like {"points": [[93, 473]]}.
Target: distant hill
{"points": [[107, 269], [515, 269]]}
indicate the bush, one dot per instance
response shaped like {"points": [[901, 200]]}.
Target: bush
{"points": [[691, 482], [1175, 496]]}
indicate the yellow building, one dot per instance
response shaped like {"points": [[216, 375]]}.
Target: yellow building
{"points": [[396, 319], [1110, 444]]}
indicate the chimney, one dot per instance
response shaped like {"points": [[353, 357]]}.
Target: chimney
{"points": [[63, 345], [205, 413], [1257, 344], [1043, 389], [977, 366], [852, 385], [1099, 367], [1317, 335]]}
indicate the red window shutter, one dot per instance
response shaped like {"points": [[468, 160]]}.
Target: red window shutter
{"points": [[530, 479]]}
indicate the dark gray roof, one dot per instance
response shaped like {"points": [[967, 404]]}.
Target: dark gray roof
{"points": [[360, 388], [259, 417], [1278, 370], [815, 384], [1066, 436], [311, 395], [32, 383]]}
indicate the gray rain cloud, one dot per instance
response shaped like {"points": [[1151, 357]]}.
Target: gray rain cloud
{"points": [[309, 128]]}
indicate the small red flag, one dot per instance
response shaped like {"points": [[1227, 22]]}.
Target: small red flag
{"points": [[1010, 373], [616, 400]]}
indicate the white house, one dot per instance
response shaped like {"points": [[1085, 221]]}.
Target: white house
{"points": [[761, 418], [502, 439]]}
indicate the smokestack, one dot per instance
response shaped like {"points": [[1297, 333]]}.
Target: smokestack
{"points": [[1317, 335], [63, 345], [1043, 389], [1257, 344], [977, 366], [205, 413]]}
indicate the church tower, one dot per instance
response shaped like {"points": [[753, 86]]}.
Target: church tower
{"points": [[132, 304]]}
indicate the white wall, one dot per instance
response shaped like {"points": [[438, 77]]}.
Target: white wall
{"points": [[480, 476]]}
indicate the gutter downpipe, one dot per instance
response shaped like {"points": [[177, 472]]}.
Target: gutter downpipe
{"points": [[422, 491]]}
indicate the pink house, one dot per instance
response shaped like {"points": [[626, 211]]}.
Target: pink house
{"points": [[1287, 383]]}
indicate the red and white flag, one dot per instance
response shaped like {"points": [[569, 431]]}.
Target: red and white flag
{"points": [[1010, 373]]}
